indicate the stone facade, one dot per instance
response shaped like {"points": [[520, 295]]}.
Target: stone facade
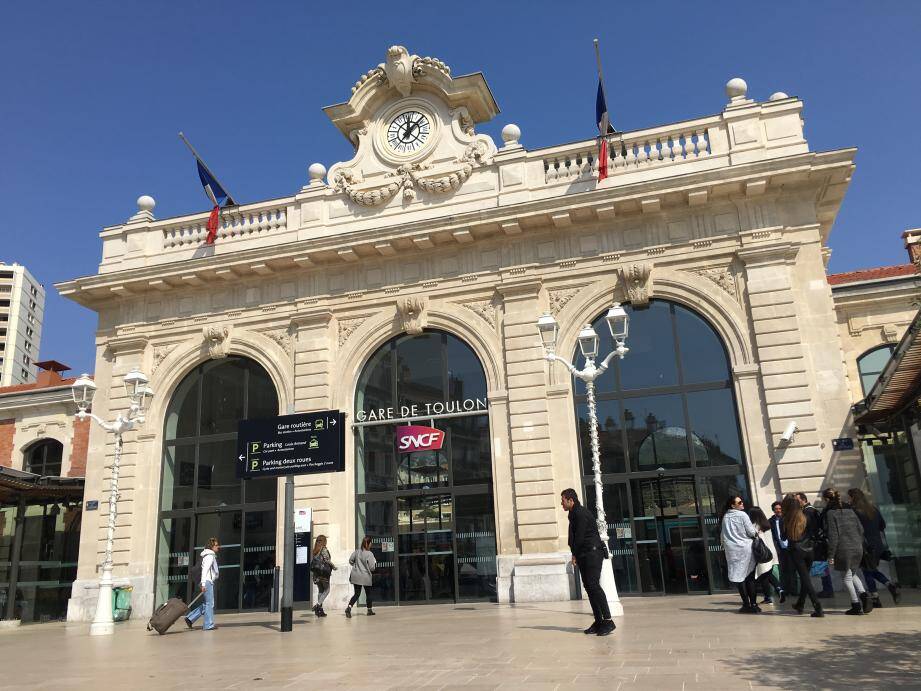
{"points": [[727, 214]]}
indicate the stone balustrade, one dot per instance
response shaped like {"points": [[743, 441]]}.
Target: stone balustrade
{"points": [[235, 223]]}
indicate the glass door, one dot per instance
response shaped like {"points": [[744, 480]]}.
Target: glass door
{"points": [[425, 547], [671, 551]]}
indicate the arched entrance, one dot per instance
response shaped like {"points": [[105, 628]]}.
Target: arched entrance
{"points": [[671, 451], [200, 494], [430, 513]]}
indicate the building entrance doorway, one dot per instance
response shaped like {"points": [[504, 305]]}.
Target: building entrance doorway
{"points": [[429, 513], [671, 452], [201, 496]]}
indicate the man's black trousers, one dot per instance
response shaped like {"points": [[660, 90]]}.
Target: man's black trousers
{"points": [[590, 570]]}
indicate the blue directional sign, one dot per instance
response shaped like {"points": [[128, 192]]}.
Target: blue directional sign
{"points": [[299, 444]]}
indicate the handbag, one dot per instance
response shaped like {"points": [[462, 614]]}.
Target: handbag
{"points": [[761, 551], [818, 568]]}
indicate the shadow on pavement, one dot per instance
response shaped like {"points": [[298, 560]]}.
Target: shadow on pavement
{"points": [[877, 661], [564, 629]]}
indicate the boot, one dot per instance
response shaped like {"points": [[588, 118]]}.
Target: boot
{"points": [[855, 608], [316, 611], [322, 611], [896, 591], [348, 612], [371, 612], [866, 602], [818, 610]]}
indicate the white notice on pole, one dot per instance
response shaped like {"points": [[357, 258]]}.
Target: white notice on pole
{"points": [[302, 519], [302, 555]]}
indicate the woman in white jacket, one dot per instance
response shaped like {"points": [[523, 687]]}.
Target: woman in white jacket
{"points": [[209, 574], [764, 573], [736, 533]]}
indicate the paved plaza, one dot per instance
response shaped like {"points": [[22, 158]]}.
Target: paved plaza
{"points": [[662, 643]]}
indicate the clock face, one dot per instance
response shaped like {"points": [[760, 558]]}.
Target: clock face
{"points": [[408, 132]]}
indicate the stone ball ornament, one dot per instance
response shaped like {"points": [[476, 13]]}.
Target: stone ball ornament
{"points": [[146, 203], [316, 172], [511, 133], [736, 88], [778, 96]]}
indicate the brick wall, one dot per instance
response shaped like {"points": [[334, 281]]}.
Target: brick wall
{"points": [[81, 440], [7, 430]]}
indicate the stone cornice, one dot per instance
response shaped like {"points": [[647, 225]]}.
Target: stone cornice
{"points": [[594, 205], [36, 397], [782, 253], [303, 320], [522, 289]]}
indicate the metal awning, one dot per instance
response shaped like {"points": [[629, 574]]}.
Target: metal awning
{"points": [[899, 384], [17, 484]]}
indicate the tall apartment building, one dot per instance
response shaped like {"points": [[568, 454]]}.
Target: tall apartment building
{"points": [[22, 308]]}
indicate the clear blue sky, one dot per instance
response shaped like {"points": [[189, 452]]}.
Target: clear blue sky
{"points": [[94, 93]]}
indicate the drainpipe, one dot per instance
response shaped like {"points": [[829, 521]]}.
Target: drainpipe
{"points": [[14, 561]]}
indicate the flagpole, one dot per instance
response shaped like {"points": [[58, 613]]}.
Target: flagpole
{"points": [[600, 77], [230, 199]]}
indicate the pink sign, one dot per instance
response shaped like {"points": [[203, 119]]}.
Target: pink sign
{"points": [[418, 438]]}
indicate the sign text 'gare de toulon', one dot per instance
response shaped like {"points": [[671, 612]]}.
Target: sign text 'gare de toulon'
{"points": [[402, 412]]}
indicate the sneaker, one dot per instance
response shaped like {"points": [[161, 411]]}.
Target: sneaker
{"points": [[896, 591], [348, 612], [592, 629], [606, 628]]}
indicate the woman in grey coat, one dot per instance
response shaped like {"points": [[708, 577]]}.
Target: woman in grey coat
{"points": [[845, 548], [363, 565], [736, 534]]}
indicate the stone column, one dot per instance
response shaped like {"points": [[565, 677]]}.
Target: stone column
{"points": [[785, 383], [540, 573]]}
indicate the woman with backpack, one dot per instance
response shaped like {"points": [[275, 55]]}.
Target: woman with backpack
{"points": [[800, 534], [321, 566], [845, 548], [874, 529], [363, 565], [764, 573]]}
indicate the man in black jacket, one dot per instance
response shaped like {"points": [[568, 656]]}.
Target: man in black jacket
{"points": [[781, 546], [588, 553]]}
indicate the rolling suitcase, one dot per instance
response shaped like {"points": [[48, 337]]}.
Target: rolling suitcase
{"points": [[168, 613]]}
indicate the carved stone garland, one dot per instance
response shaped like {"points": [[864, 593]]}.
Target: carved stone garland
{"points": [[724, 278], [407, 177], [347, 328], [160, 354]]}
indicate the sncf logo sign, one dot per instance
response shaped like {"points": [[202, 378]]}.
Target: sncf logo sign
{"points": [[418, 438]]}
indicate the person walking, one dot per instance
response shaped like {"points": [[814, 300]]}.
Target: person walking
{"points": [[764, 573], [781, 549], [800, 533], [588, 554], [362, 574], [210, 572], [736, 533], [321, 566], [819, 541], [874, 528], [845, 548]]}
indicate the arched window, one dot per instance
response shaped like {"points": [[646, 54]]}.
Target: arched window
{"points": [[44, 457], [670, 449], [430, 512], [871, 364], [201, 495]]}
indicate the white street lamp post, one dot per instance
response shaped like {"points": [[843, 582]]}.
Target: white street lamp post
{"points": [[618, 322], [139, 393]]}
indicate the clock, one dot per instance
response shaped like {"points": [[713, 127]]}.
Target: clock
{"points": [[408, 132]]}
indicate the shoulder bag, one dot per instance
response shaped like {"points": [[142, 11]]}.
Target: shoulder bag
{"points": [[761, 551]]}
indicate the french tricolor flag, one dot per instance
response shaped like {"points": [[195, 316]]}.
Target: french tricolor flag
{"points": [[218, 197], [604, 125]]}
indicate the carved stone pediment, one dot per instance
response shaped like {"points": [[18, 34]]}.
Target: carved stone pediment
{"points": [[413, 128], [216, 340], [637, 283], [411, 313]]}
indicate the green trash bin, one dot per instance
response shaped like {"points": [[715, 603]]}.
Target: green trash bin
{"points": [[121, 603]]}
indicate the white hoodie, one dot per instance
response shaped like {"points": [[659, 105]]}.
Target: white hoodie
{"points": [[209, 567]]}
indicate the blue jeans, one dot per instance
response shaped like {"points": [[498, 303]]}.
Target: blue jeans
{"points": [[206, 608], [871, 576]]}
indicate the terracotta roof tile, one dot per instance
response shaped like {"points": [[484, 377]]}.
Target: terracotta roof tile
{"points": [[35, 386], [872, 274]]}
